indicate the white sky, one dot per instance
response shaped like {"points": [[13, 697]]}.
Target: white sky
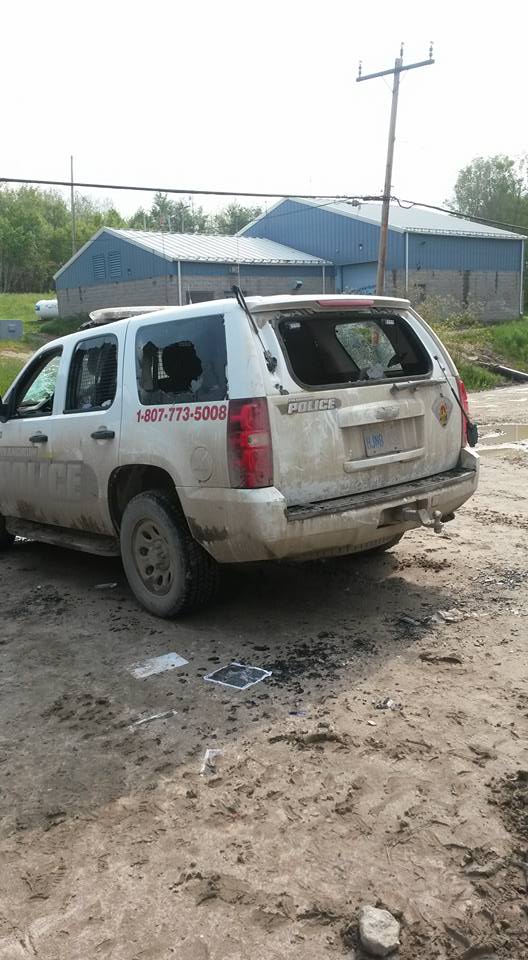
{"points": [[228, 94]]}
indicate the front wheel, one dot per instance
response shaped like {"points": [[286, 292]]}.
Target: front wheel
{"points": [[168, 571]]}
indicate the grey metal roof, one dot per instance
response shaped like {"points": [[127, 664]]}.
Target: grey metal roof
{"points": [[207, 248], [211, 248], [413, 219]]}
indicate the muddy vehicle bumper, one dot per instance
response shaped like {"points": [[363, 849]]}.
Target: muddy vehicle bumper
{"points": [[248, 525]]}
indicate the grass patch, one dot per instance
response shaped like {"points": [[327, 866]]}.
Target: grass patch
{"points": [[15, 346], [477, 378], [510, 340], [58, 327], [504, 343], [9, 367], [21, 306]]}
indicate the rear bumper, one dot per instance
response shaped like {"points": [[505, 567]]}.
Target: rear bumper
{"points": [[248, 525]]}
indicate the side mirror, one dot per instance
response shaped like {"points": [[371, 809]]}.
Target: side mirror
{"points": [[4, 412]]}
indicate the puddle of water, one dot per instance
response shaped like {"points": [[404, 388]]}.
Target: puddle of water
{"points": [[503, 439]]}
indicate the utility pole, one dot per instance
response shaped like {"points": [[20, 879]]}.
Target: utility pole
{"points": [[384, 226], [72, 204]]}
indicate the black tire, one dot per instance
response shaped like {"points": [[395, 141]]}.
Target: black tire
{"points": [[6, 539], [168, 571], [372, 551]]}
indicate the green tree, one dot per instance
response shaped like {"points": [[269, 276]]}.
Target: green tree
{"points": [[35, 234], [170, 216], [30, 220], [138, 220], [494, 188], [91, 215], [180, 216], [233, 217]]}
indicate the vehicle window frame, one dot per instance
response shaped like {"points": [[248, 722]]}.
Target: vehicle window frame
{"points": [[38, 364], [72, 411], [355, 316], [183, 337]]}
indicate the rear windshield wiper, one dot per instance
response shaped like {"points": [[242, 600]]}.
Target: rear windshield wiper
{"points": [[271, 361]]}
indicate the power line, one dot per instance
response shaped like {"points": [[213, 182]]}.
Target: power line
{"points": [[458, 213], [353, 199], [203, 193]]}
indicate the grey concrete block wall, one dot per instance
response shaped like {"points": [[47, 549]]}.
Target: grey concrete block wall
{"points": [[151, 292], [164, 290], [257, 285], [494, 296]]}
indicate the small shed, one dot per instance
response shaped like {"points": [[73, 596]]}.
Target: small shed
{"points": [[132, 267]]}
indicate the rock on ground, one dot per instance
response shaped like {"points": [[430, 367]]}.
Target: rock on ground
{"points": [[379, 931]]}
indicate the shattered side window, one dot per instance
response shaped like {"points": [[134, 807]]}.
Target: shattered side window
{"points": [[92, 382], [182, 361]]}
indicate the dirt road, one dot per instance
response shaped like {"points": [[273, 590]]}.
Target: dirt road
{"points": [[113, 845]]}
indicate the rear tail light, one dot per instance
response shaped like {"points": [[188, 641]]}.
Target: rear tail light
{"points": [[344, 302], [249, 449], [462, 393]]}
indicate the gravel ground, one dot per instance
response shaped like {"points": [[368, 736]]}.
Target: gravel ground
{"points": [[112, 843]]}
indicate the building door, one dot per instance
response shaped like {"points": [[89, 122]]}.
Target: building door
{"points": [[359, 277]]}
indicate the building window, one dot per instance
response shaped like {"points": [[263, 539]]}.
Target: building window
{"points": [[99, 266], [93, 375], [114, 265]]}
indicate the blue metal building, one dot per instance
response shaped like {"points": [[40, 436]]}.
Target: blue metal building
{"points": [[131, 267], [430, 254]]}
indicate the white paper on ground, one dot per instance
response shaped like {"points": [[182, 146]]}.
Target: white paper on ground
{"points": [[169, 661]]}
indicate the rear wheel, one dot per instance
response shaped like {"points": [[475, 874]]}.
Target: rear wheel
{"points": [[6, 539], [168, 571]]}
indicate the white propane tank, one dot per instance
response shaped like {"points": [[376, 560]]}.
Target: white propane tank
{"points": [[46, 309]]}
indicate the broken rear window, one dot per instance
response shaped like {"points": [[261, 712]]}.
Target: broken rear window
{"points": [[326, 349], [182, 361]]}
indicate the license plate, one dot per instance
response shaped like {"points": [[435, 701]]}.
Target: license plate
{"points": [[382, 439]]}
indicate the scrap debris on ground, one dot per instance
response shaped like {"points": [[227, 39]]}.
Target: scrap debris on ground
{"points": [[373, 790]]}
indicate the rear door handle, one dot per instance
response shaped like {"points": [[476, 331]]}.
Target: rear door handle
{"points": [[103, 434], [38, 438]]}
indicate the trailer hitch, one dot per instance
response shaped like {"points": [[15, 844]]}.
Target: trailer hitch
{"points": [[427, 518]]}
